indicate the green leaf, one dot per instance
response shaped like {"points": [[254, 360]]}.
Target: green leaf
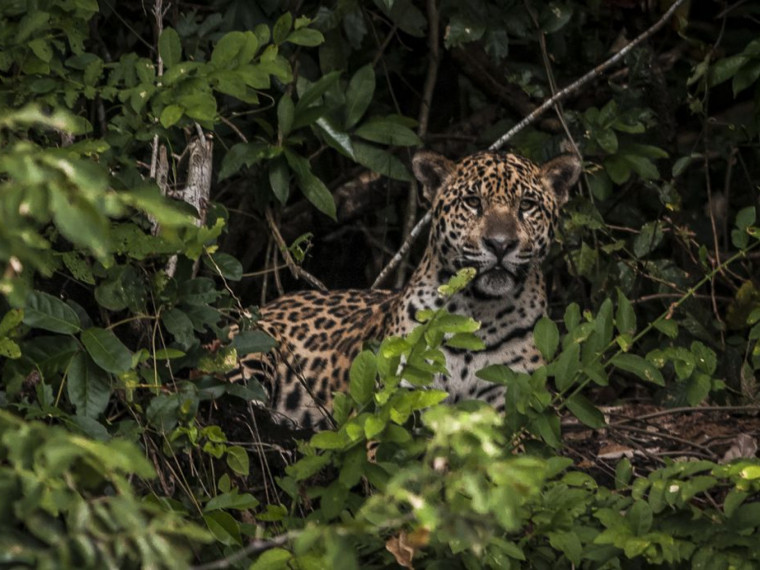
{"points": [[381, 161], [667, 327], [465, 341], [746, 77], [546, 426], [705, 357], [80, 223], [567, 366], [329, 440], [649, 239], [12, 319], [568, 543], [106, 350], [274, 559], [745, 217], [625, 316], [285, 114], [359, 94], [231, 500], [724, 69], [87, 386], [374, 426], [546, 336], [388, 132], [166, 211], [247, 342], [234, 49], [607, 140], [43, 311], [638, 366], [9, 349], [41, 49], [733, 500], [244, 154], [199, 105], [585, 411], [237, 459], [333, 500], [180, 326], [308, 37], [171, 115], [623, 473], [315, 91], [224, 527], [198, 291], [282, 27], [279, 179], [311, 186], [32, 21], [226, 265], [617, 169], [311, 464], [362, 377], [336, 138], [169, 47]]}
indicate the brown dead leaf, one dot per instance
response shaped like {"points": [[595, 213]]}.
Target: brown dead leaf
{"points": [[744, 446], [403, 546]]}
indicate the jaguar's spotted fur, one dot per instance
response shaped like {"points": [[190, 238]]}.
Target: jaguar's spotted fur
{"points": [[491, 211]]}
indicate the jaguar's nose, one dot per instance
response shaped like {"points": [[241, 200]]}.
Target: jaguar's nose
{"points": [[500, 244]]}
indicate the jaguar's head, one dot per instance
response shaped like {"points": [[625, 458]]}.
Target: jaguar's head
{"points": [[494, 212]]}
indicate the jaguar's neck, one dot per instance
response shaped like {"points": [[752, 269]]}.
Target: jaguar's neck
{"points": [[527, 300]]}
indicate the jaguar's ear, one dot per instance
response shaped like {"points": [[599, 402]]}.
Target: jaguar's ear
{"points": [[432, 170], [560, 173]]}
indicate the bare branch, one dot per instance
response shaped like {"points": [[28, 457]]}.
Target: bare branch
{"points": [[424, 221], [593, 74], [297, 271], [559, 96]]}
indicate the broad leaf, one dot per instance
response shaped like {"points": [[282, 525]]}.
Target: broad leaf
{"points": [[311, 186], [88, 386], [106, 350], [638, 366], [362, 377], [385, 131], [359, 94], [169, 47], [43, 311]]}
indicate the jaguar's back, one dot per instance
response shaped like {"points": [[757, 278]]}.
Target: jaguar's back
{"points": [[491, 211]]}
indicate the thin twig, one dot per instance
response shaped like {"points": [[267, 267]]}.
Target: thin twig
{"points": [[255, 547], [424, 221], [297, 271], [669, 436], [158, 14], [423, 120], [688, 410], [593, 74]]}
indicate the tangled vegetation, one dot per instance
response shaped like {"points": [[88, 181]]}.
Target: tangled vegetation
{"points": [[166, 168]]}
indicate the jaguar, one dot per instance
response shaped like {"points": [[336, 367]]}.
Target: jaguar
{"points": [[491, 211]]}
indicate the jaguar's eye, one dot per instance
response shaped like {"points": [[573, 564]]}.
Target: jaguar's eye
{"points": [[527, 204], [472, 201]]}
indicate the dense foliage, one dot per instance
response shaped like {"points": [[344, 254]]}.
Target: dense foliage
{"points": [[121, 443]]}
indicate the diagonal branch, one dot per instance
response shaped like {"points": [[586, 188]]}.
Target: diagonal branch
{"points": [[593, 74], [296, 270], [559, 96]]}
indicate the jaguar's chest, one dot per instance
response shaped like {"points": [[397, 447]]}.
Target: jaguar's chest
{"points": [[506, 331]]}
